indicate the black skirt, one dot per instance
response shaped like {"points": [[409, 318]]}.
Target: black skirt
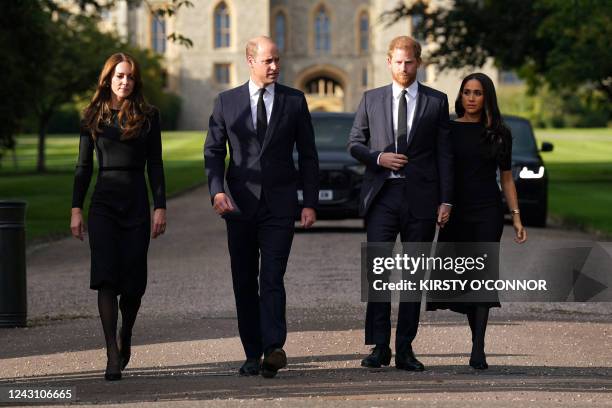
{"points": [[118, 254], [484, 225]]}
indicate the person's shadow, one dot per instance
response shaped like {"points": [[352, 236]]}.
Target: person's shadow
{"points": [[310, 376]]}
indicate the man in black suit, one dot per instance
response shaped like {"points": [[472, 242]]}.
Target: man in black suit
{"points": [[401, 134], [261, 121]]}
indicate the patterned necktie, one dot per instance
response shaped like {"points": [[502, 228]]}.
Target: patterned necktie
{"points": [[262, 118]]}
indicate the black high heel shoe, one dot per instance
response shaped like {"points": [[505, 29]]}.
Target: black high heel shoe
{"points": [[113, 370], [125, 350], [478, 360], [479, 365]]}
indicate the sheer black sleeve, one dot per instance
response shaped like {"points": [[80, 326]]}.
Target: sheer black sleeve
{"points": [[84, 169], [155, 165]]}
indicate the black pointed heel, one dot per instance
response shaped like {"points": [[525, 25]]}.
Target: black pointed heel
{"points": [[125, 350]]}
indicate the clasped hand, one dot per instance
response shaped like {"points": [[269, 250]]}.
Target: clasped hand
{"points": [[392, 161]]}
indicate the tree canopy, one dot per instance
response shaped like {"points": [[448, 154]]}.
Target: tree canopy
{"points": [[52, 55], [562, 43]]}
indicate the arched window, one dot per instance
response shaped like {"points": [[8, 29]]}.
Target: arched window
{"points": [[222, 26], [158, 34], [322, 31], [280, 31], [364, 32]]}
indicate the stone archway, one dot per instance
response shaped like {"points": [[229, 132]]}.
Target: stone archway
{"points": [[324, 87]]}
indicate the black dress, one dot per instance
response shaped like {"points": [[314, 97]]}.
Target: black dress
{"points": [[119, 216], [477, 214]]}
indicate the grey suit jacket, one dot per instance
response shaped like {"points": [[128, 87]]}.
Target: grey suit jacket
{"points": [[429, 173]]}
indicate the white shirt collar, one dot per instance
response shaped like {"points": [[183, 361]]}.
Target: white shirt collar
{"points": [[412, 90], [254, 89]]}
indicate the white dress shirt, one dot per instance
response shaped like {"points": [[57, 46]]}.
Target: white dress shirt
{"points": [[411, 97], [268, 101]]}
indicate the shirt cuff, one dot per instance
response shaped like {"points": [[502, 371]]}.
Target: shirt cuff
{"points": [[378, 159], [449, 204]]}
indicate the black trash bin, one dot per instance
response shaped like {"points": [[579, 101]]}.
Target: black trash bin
{"points": [[13, 300]]}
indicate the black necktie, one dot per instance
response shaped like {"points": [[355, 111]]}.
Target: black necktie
{"points": [[402, 124], [262, 118]]}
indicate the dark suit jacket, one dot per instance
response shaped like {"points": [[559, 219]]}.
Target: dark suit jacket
{"points": [[266, 169], [430, 158]]}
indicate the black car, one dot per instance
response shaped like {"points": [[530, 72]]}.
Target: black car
{"points": [[341, 175], [530, 175]]}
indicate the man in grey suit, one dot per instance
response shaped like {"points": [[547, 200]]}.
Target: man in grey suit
{"points": [[401, 134]]}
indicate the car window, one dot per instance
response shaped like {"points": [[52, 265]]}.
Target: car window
{"points": [[523, 141], [332, 132]]}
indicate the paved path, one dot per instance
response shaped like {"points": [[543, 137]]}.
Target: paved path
{"points": [[186, 351]]}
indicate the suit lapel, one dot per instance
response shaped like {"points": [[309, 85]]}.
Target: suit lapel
{"points": [[388, 109], [277, 109], [245, 106], [419, 109]]}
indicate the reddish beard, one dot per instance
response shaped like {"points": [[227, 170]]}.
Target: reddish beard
{"points": [[403, 79]]}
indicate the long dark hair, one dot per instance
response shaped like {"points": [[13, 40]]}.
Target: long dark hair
{"points": [[134, 111], [496, 137]]}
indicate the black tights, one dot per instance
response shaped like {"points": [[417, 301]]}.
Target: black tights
{"points": [[108, 308], [478, 318]]}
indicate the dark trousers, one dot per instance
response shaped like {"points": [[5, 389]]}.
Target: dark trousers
{"points": [[389, 216], [258, 287]]}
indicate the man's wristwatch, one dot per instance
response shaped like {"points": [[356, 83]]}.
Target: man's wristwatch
{"points": [[515, 211]]}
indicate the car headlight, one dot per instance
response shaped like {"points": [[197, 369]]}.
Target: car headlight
{"points": [[357, 169], [530, 174]]}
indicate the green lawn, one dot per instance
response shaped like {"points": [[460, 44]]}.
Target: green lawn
{"points": [[49, 195], [580, 170]]}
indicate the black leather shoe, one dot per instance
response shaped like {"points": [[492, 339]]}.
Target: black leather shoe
{"points": [[272, 362], [250, 367], [125, 349], [407, 361], [380, 356]]}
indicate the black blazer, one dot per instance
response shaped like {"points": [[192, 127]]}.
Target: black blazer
{"points": [[266, 169], [430, 158]]}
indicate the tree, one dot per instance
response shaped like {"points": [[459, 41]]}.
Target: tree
{"points": [[168, 8], [73, 56], [52, 54], [561, 43], [22, 34]]}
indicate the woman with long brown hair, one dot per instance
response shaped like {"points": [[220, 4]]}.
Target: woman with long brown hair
{"points": [[124, 131], [482, 146]]}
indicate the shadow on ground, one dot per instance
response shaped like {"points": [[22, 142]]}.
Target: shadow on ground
{"points": [[310, 377]]}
